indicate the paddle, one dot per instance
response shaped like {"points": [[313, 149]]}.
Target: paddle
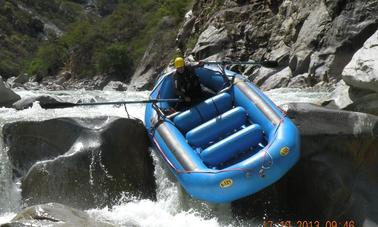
{"points": [[265, 63], [69, 104]]}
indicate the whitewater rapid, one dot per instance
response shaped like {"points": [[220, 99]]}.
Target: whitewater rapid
{"points": [[173, 207]]}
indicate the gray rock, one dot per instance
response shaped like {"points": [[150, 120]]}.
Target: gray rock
{"points": [[362, 70], [23, 78], [53, 214], [261, 74], [336, 177], [280, 54], [313, 26], [25, 103], [11, 84], [83, 163], [338, 168], [353, 99], [30, 142], [211, 41], [315, 37], [115, 86], [280, 79], [316, 120], [32, 86], [300, 81], [365, 104], [340, 97], [7, 96]]}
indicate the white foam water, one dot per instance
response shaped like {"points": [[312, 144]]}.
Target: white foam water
{"points": [[173, 206]]}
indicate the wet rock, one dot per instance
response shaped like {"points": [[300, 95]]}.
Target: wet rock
{"points": [[21, 79], [27, 102], [7, 96], [336, 177], [53, 214], [33, 86], [340, 97], [300, 81], [338, 168], [280, 79], [83, 163], [115, 86], [10, 81], [365, 104], [30, 142], [64, 76]]}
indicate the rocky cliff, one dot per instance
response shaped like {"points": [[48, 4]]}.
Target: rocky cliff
{"points": [[312, 40]]}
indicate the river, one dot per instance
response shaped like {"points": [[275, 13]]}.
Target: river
{"points": [[173, 207]]}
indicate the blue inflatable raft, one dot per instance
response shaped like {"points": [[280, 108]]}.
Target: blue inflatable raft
{"points": [[228, 146]]}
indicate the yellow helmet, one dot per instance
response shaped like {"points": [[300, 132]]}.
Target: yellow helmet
{"points": [[179, 62]]}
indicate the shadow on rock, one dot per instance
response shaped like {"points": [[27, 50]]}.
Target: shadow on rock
{"points": [[336, 177]]}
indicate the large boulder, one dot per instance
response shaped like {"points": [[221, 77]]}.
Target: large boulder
{"points": [[338, 170], [280, 79], [53, 214], [358, 91], [336, 177], [83, 163], [7, 96], [362, 70]]}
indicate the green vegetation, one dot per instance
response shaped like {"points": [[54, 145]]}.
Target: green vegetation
{"points": [[111, 41], [115, 60], [49, 59]]}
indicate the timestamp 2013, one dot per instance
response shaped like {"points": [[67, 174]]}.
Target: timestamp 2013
{"points": [[310, 223]]}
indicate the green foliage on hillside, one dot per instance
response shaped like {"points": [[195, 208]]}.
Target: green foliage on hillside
{"points": [[18, 37], [109, 42]]}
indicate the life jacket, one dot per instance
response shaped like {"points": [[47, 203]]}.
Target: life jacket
{"points": [[188, 83]]}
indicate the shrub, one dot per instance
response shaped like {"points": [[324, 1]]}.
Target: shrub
{"points": [[49, 58], [115, 61]]}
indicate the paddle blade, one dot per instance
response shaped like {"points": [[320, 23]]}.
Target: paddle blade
{"points": [[57, 105]]}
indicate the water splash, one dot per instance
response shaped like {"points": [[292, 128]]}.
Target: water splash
{"points": [[173, 206], [170, 209], [9, 190], [6, 217], [286, 95]]}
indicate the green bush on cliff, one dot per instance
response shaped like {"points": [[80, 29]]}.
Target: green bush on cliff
{"points": [[115, 61], [49, 58]]}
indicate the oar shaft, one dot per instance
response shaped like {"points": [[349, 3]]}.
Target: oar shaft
{"points": [[68, 104], [231, 62], [127, 102]]}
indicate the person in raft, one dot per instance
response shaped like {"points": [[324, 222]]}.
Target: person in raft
{"points": [[187, 85]]}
